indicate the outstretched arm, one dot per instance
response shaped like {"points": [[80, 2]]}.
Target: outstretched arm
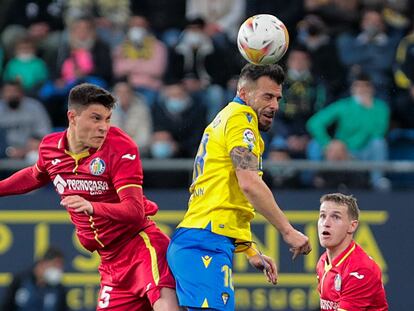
{"points": [[260, 196], [132, 208], [25, 180]]}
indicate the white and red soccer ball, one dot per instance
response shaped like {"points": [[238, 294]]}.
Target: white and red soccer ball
{"points": [[263, 39]]}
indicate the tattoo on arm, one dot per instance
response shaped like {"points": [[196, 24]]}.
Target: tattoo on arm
{"points": [[244, 159]]}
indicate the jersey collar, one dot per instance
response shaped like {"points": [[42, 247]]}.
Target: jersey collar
{"points": [[344, 255], [238, 100]]}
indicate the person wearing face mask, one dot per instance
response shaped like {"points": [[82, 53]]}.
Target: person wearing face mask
{"points": [[362, 122], [40, 288], [26, 66], [141, 59], [21, 118], [178, 122]]}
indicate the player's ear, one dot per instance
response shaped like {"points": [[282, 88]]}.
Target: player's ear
{"points": [[353, 226], [71, 115], [243, 92]]}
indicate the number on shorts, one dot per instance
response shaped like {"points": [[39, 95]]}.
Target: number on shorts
{"points": [[105, 296], [228, 279]]}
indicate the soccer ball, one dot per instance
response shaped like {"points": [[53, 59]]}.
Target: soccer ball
{"points": [[263, 39]]}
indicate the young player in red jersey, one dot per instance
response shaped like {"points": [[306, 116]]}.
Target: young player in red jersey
{"points": [[97, 171], [349, 280]]}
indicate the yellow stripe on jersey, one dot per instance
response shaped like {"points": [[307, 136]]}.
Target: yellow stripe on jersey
{"points": [[153, 254], [95, 231], [216, 199], [127, 186]]}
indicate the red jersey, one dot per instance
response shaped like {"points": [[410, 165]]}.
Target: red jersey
{"points": [[97, 176], [351, 282]]}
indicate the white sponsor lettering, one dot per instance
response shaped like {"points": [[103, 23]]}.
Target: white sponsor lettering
{"points": [[129, 156], [329, 305], [357, 275], [94, 187], [60, 184]]}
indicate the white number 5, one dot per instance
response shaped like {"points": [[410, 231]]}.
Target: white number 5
{"points": [[104, 300]]}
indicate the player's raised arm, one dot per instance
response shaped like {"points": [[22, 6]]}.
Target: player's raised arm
{"points": [[23, 181], [260, 196]]}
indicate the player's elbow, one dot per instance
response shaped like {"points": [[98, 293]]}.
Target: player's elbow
{"points": [[247, 181]]}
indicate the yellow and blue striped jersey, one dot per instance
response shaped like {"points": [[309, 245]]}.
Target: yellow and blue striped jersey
{"points": [[216, 200]]}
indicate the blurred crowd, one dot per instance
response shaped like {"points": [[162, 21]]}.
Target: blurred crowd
{"points": [[172, 64]]}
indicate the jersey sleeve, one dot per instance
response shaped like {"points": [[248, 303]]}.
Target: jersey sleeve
{"points": [[359, 290], [242, 131], [126, 167]]}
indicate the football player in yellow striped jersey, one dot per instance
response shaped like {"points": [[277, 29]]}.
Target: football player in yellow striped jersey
{"points": [[226, 190]]}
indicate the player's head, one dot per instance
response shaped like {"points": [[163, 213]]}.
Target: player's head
{"points": [[338, 220], [261, 88], [89, 114]]}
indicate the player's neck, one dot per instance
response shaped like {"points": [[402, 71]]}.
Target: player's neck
{"points": [[334, 252], [74, 145]]}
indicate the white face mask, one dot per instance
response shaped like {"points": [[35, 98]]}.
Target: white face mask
{"points": [[53, 275], [25, 56], [137, 34]]}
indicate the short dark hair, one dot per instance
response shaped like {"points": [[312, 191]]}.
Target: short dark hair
{"points": [[346, 200], [86, 94], [52, 253], [254, 72]]}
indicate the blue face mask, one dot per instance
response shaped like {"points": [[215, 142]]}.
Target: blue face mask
{"points": [[161, 150], [175, 105]]}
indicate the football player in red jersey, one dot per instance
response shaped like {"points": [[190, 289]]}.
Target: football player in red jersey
{"points": [[349, 280], [97, 171]]}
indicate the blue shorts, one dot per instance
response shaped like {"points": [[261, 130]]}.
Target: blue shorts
{"points": [[201, 262]]}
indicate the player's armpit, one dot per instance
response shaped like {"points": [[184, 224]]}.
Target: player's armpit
{"points": [[23, 181], [244, 159]]}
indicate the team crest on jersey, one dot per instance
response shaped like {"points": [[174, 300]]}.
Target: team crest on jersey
{"points": [[249, 117], [248, 137], [337, 282], [97, 166]]}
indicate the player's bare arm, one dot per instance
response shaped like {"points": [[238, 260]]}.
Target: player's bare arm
{"points": [[244, 159], [261, 197]]}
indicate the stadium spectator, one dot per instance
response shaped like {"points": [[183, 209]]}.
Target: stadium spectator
{"points": [[96, 169], [178, 123], [361, 122], [132, 115], [167, 18], [326, 66], [110, 17], [26, 67], [372, 50], [223, 18], [203, 67], [227, 187], [141, 59], [40, 20], [303, 95], [348, 278], [22, 119], [39, 288], [82, 57]]}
